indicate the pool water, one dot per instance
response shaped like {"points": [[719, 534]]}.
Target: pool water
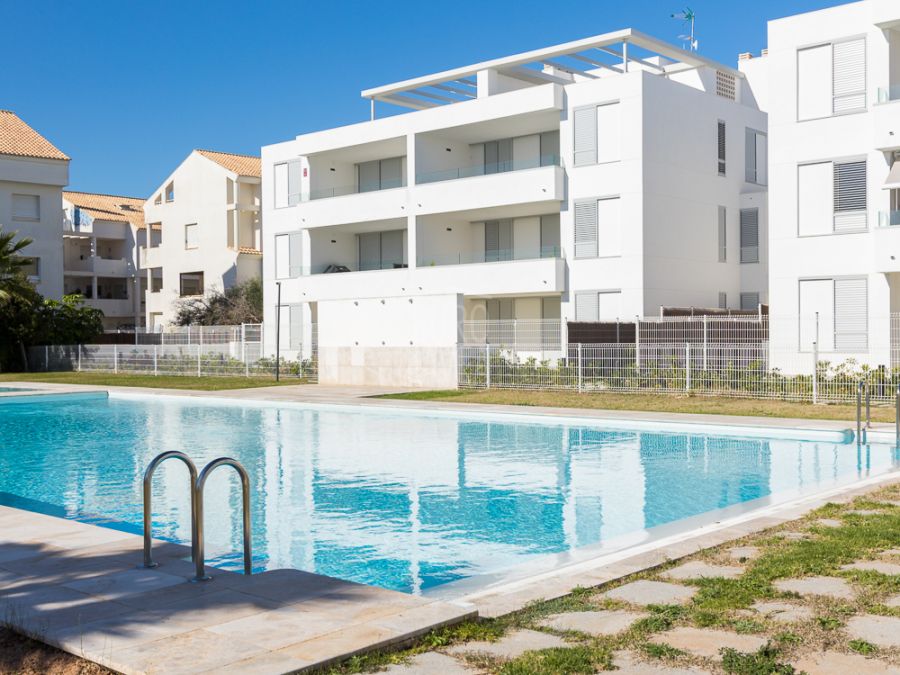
{"points": [[399, 499]]}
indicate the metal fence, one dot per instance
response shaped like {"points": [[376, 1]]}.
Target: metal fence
{"points": [[733, 370], [521, 334]]}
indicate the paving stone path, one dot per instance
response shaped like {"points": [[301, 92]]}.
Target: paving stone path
{"points": [[706, 642], [645, 592], [512, 645], [881, 631], [594, 623], [835, 663], [879, 566], [628, 663], [697, 569], [744, 552], [793, 536], [893, 601], [828, 522], [829, 587], [430, 663], [783, 611]]}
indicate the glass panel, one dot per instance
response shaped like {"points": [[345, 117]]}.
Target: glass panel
{"points": [[369, 176]]}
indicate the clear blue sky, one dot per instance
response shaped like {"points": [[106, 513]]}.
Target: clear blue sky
{"points": [[128, 88]]}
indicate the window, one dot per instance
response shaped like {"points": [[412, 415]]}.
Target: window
{"points": [[749, 301], [598, 305], [191, 283], [288, 260], [750, 235], [501, 309], [721, 147], [170, 192], [723, 234], [288, 183], [381, 174], [156, 283], [756, 157], [723, 300], [831, 197], [26, 207], [191, 236], [834, 312], [498, 240], [831, 79], [32, 268], [550, 242], [158, 199], [381, 250], [598, 228], [598, 132]]}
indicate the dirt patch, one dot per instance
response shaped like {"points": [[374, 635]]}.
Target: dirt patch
{"points": [[24, 656]]}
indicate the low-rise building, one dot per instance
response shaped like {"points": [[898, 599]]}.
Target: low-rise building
{"points": [[208, 214], [33, 173]]}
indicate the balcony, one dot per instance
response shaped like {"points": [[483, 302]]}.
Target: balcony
{"points": [[150, 257], [886, 117], [353, 207], [520, 185], [110, 267], [886, 249], [113, 307], [501, 255]]}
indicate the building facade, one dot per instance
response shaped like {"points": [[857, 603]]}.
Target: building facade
{"points": [[33, 173], [102, 235], [831, 83], [208, 215], [596, 180]]}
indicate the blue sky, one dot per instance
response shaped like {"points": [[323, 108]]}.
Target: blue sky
{"points": [[128, 88]]}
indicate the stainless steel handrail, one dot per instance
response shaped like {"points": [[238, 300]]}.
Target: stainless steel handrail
{"points": [[200, 483], [148, 497]]}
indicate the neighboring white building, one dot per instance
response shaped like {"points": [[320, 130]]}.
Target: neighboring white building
{"points": [[208, 213], [831, 85], [102, 235], [32, 175], [595, 180]]}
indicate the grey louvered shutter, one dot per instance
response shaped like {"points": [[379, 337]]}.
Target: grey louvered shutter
{"points": [[295, 255], [850, 196], [749, 301], [750, 156], [850, 315], [587, 306], [849, 75], [749, 235], [492, 241], [721, 148], [585, 121], [723, 234], [586, 229]]}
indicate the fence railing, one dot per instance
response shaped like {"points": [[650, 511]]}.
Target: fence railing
{"points": [[735, 370], [520, 334]]}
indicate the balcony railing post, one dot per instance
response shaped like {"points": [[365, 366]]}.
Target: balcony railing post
{"points": [[487, 366]]}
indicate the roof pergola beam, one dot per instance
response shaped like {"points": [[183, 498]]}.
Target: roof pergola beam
{"points": [[568, 69], [627, 57], [455, 90], [436, 97], [407, 101], [535, 76], [595, 62]]}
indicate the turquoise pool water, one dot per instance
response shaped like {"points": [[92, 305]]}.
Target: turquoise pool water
{"points": [[398, 499]]}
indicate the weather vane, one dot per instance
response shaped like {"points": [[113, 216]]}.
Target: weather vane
{"points": [[687, 16]]}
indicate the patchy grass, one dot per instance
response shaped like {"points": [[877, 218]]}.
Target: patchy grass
{"points": [[578, 659], [707, 405], [763, 662], [154, 381]]}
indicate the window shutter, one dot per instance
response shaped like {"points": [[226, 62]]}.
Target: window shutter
{"points": [[492, 241], [723, 300], [296, 327], [281, 185], [723, 234], [585, 121], [849, 196], [849, 75], [750, 156], [587, 306], [762, 158], [369, 251], [282, 256], [850, 315], [586, 229], [749, 301], [721, 148], [609, 227], [295, 256], [749, 235], [609, 132], [293, 183]]}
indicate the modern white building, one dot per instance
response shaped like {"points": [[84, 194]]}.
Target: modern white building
{"points": [[595, 180], [102, 235], [831, 86], [208, 214], [33, 173]]}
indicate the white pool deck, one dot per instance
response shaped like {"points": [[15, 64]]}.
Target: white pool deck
{"points": [[79, 586]]}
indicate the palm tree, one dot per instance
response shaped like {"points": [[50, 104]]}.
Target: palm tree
{"points": [[12, 264]]}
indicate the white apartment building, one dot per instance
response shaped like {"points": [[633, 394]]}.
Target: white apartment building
{"points": [[831, 86], [33, 173], [102, 235], [595, 180], [208, 215]]}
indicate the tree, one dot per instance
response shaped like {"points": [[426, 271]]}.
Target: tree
{"points": [[239, 304], [13, 281]]}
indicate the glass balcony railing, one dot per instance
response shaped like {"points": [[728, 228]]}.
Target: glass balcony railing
{"points": [[487, 169], [888, 94], [499, 255], [340, 191], [888, 218]]}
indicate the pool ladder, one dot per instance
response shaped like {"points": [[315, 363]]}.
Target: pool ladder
{"points": [[198, 483]]}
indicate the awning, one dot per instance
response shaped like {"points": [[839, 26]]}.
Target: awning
{"points": [[893, 179]]}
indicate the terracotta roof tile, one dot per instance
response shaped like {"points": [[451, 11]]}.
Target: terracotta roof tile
{"points": [[17, 138], [109, 207], [250, 250], [242, 165]]}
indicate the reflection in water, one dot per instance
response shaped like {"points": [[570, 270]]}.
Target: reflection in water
{"points": [[399, 500]]}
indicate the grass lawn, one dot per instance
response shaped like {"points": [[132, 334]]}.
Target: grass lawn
{"points": [[158, 381], [707, 405]]}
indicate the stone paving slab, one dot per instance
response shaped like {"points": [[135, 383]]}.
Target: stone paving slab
{"points": [[783, 611], [629, 663], [706, 642], [430, 663], [882, 631], [893, 552], [836, 663], [829, 587], [645, 592], [865, 512], [879, 566], [828, 522], [511, 645], [697, 569], [744, 552], [893, 601], [608, 622], [793, 536]]}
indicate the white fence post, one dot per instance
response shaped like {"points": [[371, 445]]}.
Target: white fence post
{"points": [[815, 373], [155, 370], [198, 360], [115, 358], [487, 366], [705, 342], [46, 357], [244, 343], [687, 366], [79, 358], [637, 342], [580, 376]]}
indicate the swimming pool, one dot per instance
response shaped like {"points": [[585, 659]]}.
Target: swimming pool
{"points": [[397, 498]]}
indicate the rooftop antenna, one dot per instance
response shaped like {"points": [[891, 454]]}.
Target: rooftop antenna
{"points": [[687, 16]]}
